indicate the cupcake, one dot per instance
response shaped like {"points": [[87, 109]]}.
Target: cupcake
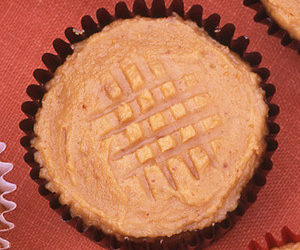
{"points": [[150, 129], [5, 205], [279, 15], [289, 246], [286, 14], [289, 241]]}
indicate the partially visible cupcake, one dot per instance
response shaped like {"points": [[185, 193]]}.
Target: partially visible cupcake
{"points": [[286, 14], [289, 246], [150, 129], [289, 241], [278, 15], [5, 205]]}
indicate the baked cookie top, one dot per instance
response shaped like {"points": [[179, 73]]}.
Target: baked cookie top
{"points": [[151, 128]]}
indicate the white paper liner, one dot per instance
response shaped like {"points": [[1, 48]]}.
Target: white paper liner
{"points": [[5, 188]]}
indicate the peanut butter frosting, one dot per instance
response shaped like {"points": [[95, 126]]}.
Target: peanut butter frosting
{"points": [[286, 13], [150, 128]]}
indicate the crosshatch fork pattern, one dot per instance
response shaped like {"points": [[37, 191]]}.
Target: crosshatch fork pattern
{"points": [[173, 116]]}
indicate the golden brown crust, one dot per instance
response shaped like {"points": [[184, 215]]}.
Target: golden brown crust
{"points": [[151, 128], [286, 14]]}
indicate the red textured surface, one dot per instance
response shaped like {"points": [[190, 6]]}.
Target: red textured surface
{"points": [[27, 31]]}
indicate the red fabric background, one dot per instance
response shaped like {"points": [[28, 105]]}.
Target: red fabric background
{"points": [[27, 31]]}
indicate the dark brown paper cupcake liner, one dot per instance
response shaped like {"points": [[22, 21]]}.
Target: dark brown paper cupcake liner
{"points": [[194, 239], [262, 16], [287, 236]]}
